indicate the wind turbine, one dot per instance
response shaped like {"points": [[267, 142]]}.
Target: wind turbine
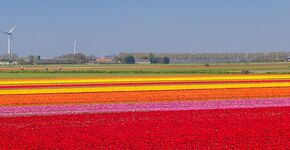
{"points": [[10, 37], [75, 47]]}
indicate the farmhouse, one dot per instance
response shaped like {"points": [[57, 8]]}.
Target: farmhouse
{"points": [[104, 60], [142, 61], [4, 63]]}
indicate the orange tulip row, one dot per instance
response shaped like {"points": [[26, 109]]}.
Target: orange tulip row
{"points": [[143, 96]]}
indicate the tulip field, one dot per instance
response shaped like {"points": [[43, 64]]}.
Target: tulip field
{"points": [[176, 111]]}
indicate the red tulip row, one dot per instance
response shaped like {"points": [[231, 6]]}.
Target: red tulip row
{"points": [[257, 128]]}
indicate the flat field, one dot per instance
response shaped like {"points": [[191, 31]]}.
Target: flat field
{"points": [[145, 107], [140, 69]]}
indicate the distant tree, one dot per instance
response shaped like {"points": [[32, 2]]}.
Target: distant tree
{"points": [[6, 57], [165, 60], [21, 61], [160, 60], [91, 58], [14, 56], [31, 57], [37, 57], [78, 57], [155, 60], [151, 58], [129, 60], [144, 57]]}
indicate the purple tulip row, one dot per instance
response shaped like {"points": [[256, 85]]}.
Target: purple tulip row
{"points": [[6, 111]]}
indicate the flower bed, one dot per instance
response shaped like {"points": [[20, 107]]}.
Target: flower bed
{"points": [[150, 112], [256, 128]]}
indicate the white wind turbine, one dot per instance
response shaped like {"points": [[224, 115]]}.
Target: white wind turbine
{"points": [[10, 37], [75, 47]]}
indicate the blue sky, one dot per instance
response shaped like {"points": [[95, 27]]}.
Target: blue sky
{"points": [[103, 27]]}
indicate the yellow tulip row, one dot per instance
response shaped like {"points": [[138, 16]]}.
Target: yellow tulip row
{"points": [[144, 79], [141, 88]]}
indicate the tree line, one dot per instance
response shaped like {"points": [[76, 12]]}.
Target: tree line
{"points": [[183, 58], [150, 58], [161, 58]]}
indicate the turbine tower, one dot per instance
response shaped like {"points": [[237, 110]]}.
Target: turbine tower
{"points": [[10, 37], [75, 47]]}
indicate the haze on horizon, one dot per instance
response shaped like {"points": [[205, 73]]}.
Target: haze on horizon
{"points": [[102, 27]]}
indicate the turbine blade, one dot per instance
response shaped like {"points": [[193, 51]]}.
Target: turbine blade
{"points": [[5, 32], [11, 30]]}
